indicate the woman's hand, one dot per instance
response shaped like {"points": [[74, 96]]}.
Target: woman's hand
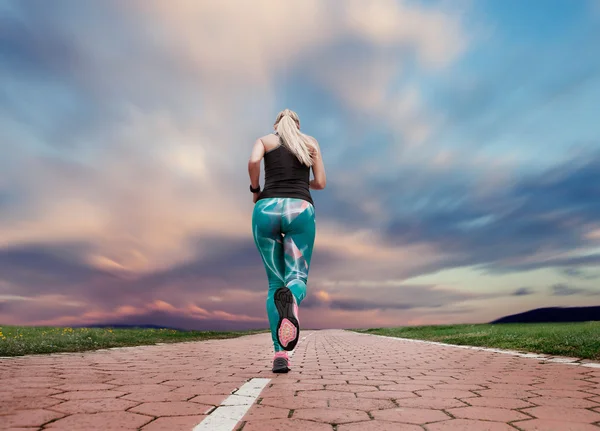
{"points": [[255, 197]]}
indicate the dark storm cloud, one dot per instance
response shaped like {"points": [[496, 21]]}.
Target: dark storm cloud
{"points": [[236, 262], [56, 269], [549, 210], [580, 274], [40, 67], [589, 260], [359, 304], [565, 290], [36, 270], [57, 265], [523, 291], [562, 289], [379, 297], [29, 45]]}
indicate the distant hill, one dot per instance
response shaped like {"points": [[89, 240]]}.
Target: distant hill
{"points": [[157, 319], [125, 326], [553, 314]]}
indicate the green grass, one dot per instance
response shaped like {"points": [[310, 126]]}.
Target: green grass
{"points": [[24, 340], [580, 340]]}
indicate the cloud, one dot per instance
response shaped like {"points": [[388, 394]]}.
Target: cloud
{"points": [[136, 154], [562, 289], [565, 290], [580, 274], [532, 223], [382, 295], [523, 291]]}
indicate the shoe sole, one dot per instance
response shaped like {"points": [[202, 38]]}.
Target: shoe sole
{"points": [[288, 328]]}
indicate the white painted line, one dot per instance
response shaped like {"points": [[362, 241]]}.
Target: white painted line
{"points": [[538, 356], [590, 364], [226, 416], [563, 360]]}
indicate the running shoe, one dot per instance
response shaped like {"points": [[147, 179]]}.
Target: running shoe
{"points": [[288, 327], [281, 362]]}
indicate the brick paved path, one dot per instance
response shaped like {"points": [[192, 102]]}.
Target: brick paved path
{"points": [[340, 381]]}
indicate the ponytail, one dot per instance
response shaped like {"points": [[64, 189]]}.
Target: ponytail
{"points": [[287, 125]]}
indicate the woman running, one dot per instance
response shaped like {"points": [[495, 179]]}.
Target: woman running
{"points": [[283, 223]]}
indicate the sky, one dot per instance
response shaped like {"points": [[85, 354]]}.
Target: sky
{"points": [[460, 140]]}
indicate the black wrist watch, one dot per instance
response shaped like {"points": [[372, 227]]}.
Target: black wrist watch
{"points": [[256, 190]]}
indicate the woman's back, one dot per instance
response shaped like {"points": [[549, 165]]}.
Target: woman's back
{"points": [[285, 175]]}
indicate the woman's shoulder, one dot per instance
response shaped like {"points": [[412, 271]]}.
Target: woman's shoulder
{"points": [[270, 141], [269, 137]]}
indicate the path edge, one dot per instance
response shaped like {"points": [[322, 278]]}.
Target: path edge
{"points": [[530, 355]]}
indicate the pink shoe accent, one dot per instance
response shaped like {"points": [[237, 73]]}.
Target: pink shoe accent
{"points": [[283, 355], [287, 332]]}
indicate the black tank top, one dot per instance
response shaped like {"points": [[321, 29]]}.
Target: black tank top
{"points": [[285, 175]]}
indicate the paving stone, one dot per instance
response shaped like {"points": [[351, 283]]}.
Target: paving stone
{"points": [[407, 386], [84, 386], [350, 388], [503, 403], [364, 404], [376, 425], [446, 393], [97, 405], [287, 425], [149, 397], [174, 423], [152, 388], [410, 415], [563, 414], [553, 425], [387, 395], [330, 415], [296, 386], [171, 408], [459, 386], [328, 395], [562, 393], [88, 395], [212, 400], [104, 421], [563, 402], [487, 414], [19, 392], [11, 405], [468, 424], [294, 403], [431, 402], [374, 382], [29, 418], [261, 413]]}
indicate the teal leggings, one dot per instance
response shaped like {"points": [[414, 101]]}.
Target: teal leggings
{"points": [[284, 233]]}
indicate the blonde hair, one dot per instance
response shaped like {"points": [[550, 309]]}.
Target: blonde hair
{"points": [[287, 125]]}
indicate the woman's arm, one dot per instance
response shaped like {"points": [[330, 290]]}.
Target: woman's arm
{"points": [[320, 179], [258, 151]]}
